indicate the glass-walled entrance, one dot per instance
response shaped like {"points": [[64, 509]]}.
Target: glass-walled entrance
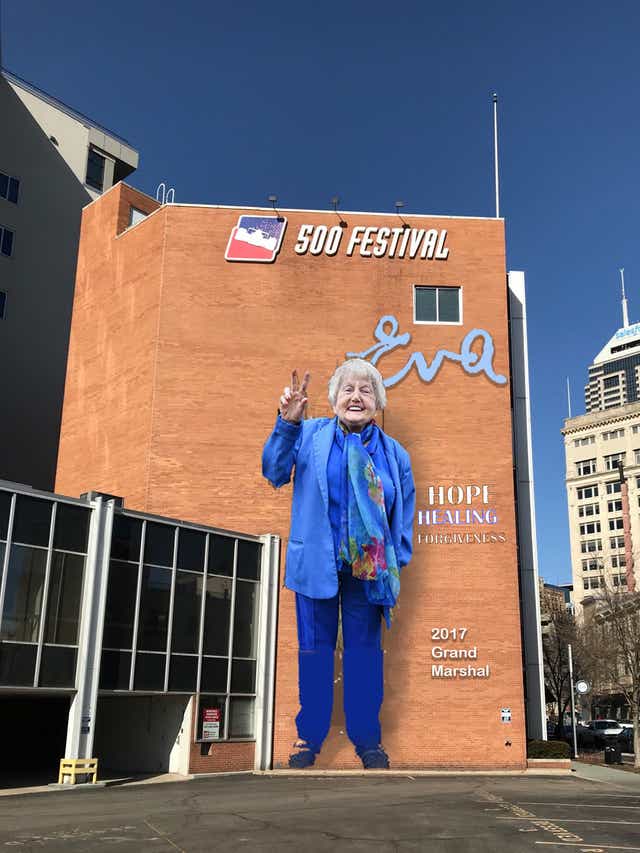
{"points": [[156, 629]]}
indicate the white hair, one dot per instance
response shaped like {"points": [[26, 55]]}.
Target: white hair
{"points": [[360, 369]]}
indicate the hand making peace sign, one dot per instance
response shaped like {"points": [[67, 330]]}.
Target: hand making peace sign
{"points": [[293, 403]]}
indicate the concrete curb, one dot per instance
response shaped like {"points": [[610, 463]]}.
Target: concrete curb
{"points": [[286, 773], [551, 771]]}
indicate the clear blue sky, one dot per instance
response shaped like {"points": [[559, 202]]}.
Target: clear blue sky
{"points": [[379, 101]]}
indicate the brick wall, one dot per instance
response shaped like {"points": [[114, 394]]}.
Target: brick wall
{"points": [[219, 757], [170, 402], [222, 758]]}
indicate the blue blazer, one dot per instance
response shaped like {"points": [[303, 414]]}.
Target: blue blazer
{"points": [[311, 561]]}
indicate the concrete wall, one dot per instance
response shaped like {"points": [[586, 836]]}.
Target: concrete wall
{"points": [[39, 281], [141, 734], [71, 134]]}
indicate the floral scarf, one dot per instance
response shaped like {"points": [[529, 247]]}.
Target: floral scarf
{"points": [[365, 537]]}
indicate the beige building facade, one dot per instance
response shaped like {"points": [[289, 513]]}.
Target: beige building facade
{"points": [[596, 444]]}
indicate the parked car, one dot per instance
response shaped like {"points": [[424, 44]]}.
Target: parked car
{"points": [[605, 732], [626, 738], [586, 739]]}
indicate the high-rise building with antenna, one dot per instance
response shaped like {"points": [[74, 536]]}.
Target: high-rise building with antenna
{"points": [[602, 451], [614, 376]]}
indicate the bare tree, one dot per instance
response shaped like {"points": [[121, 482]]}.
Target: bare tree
{"points": [[612, 646], [558, 631]]}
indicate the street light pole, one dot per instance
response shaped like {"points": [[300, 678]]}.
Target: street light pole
{"points": [[573, 707]]}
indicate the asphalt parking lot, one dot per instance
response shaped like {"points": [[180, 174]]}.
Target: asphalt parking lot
{"points": [[309, 813]]}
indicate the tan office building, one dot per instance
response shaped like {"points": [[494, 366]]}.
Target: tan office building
{"points": [[604, 532]]}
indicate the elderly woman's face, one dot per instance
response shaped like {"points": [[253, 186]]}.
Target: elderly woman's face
{"points": [[356, 402]]}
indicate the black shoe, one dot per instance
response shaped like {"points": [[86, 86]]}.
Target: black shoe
{"points": [[303, 756], [375, 759]]}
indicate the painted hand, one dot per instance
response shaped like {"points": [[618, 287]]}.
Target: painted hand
{"points": [[293, 402]]}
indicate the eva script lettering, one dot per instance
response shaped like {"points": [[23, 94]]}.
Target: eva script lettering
{"points": [[470, 361]]}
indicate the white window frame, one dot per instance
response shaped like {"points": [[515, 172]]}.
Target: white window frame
{"points": [[588, 510], [613, 434], [592, 467], [583, 442], [581, 492], [610, 458], [436, 287]]}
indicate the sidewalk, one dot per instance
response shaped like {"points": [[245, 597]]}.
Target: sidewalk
{"points": [[108, 781], [609, 775]]}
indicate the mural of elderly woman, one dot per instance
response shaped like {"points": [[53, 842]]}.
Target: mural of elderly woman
{"points": [[351, 534]]}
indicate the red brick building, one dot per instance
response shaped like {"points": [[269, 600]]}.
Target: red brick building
{"points": [[179, 351]]}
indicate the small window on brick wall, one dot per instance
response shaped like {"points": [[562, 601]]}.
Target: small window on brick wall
{"points": [[437, 304], [136, 215]]}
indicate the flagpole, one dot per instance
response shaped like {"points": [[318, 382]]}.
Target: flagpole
{"points": [[495, 153], [568, 397]]}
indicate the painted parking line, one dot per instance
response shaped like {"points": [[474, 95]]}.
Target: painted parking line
{"points": [[575, 820], [587, 848], [579, 805], [584, 794]]}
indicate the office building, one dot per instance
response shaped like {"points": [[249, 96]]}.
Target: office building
{"points": [[202, 312], [614, 376], [53, 162], [602, 452], [140, 640]]}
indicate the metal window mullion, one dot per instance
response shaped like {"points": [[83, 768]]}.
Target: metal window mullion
{"points": [[136, 612], [7, 552], [202, 611], [172, 597], [45, 594], [59, 602], [232, 616]]}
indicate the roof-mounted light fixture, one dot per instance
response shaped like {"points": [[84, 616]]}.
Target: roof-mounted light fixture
{"points": [[399, 205], [335, 201], [273, 199]]}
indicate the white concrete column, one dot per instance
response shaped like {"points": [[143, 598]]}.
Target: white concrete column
{"points": [[266, 651], [82, 714]]}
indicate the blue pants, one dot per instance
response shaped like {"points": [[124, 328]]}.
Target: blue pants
{"points": [[361, 664]]}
